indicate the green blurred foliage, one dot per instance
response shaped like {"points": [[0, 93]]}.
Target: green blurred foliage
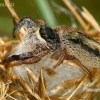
{"points": [[31, 8]]}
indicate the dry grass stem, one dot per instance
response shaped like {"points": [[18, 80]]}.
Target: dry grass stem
{"points": [[80, 84], [73, 10], [88, 17], [12, 11], [15, 17]]}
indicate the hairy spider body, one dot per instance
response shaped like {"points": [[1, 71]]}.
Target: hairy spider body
{"points": [[37, 41], [61, 42], [80, 46]]}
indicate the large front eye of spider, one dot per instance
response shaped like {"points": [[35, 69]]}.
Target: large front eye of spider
{"points": [[50, 36]]}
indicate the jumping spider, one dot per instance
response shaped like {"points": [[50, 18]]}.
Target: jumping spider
{"points": [[61, 43]]}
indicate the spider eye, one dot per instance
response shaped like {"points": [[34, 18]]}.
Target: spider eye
{"points": [[44, 32], [50, 36]]}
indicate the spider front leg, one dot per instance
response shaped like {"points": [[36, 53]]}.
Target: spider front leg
{"points": [[27, 61], [60, 56], [25, 58]]}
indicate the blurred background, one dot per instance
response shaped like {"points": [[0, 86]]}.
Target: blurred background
{"points": [[53, 11]]}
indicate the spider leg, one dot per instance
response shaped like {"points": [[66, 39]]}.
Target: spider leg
{"points": [[27, 55], [59, 62], [56, 55], [27, 61], [22, 56], [83, 67], [60, 59], [25, 58], [75, 60], [65, 56]]}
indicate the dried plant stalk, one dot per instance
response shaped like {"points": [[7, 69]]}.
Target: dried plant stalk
{"points": [[15, 17], [73, 10]]}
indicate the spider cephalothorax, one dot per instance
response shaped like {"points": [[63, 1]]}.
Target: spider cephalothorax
{"points": [[38, 30], [38, 39]]}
